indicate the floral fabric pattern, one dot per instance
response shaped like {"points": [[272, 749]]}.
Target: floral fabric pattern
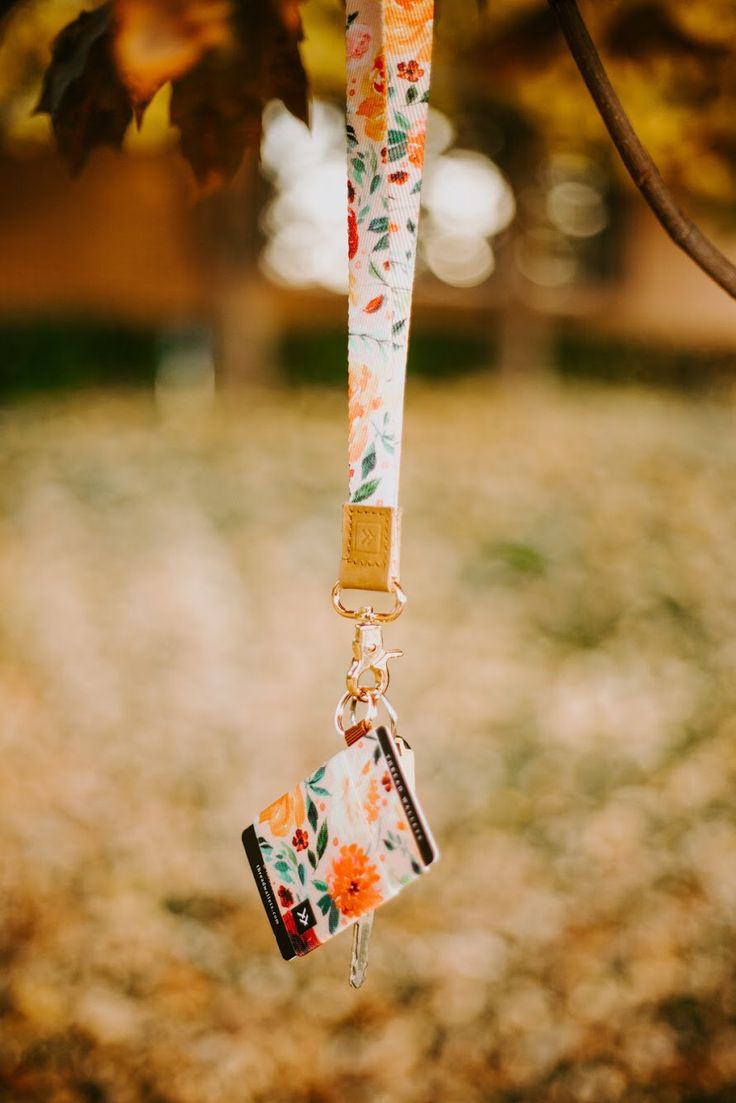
{"points": [[354, 851], [389, 45]]}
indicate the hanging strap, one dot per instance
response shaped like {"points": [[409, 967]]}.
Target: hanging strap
{"points": [[389, 45]]}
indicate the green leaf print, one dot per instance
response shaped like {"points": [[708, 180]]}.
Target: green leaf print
{"points": [[381, 244], [365, 490], [369, 462], [324, 903], [375, 182], [396, 136], [302, 874], [321, 886], [379, 225], [397, 152], [317, 775], [411, 94], [322, 840], [312, 813], [334, 918], [312, 858], [402, 121]]}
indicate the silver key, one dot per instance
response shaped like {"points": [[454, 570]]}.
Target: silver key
{"points": [[359, 958], [363, 927]]}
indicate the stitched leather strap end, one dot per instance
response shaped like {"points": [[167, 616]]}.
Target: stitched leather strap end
{"points": [[370, 547]]}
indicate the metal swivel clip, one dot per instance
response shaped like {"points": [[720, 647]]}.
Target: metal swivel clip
{"points": [[370, 658]]}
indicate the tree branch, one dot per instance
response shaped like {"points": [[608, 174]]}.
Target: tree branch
{"points": [[642, 169]]}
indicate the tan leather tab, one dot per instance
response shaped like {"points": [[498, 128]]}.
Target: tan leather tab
{"points": [[370, 547]]}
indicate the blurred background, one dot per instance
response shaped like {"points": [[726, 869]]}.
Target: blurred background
{"points": [[172, 459]]}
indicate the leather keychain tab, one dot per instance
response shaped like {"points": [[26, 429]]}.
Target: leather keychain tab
{"points": [[371, 538]]}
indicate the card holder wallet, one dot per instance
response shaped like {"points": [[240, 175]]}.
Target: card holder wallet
{"points": [[339, 844]]}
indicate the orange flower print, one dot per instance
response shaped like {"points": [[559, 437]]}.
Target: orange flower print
{"points": [[410, 70], [352, 882], [363, 398], [285, 813], [410, 35], [370, 804], [415, 140], [373, 108]]}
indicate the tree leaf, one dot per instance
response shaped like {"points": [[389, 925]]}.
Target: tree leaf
{"points": [[82, 91], [379, 225], [334, 918], [312, 813], [157, 41], [324, 903], [217, 103], [312, 858]]}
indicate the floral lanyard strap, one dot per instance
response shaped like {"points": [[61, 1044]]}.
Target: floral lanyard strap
{"points": [[389, 47]]}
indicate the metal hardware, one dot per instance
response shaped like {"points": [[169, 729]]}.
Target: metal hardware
{"points": [[369, 657], [367, 612]]}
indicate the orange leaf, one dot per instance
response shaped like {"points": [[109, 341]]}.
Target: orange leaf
{"points": [[160, 40], [373, 305]]}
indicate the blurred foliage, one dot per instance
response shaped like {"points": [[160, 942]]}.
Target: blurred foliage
{"points": [[580, 355], [672, 62], [61, 354], [320, 358], [567, 685], [223, 59]]}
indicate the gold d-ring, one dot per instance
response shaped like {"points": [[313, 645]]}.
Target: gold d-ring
{"points": [[367, 612]]}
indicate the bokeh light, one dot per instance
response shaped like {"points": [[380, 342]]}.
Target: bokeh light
{"points": [[466, 201]]}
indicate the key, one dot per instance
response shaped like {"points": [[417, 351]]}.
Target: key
{"points": [[363, 927], [359, 958]]}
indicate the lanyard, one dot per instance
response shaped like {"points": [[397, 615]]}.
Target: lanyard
{"points": [[388, 46]]}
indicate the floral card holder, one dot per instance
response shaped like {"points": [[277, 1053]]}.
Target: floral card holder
{"points": [[338, 844]]}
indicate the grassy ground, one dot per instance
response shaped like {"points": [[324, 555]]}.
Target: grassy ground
{"points": [[169, 662]]}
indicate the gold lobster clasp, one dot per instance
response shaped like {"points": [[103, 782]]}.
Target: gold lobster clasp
{"points": [[370, 657]]}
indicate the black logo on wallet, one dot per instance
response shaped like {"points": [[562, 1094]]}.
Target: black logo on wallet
{"points": [[303, 916]]}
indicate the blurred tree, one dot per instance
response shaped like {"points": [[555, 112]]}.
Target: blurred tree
{"points": [[223, 59]]}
